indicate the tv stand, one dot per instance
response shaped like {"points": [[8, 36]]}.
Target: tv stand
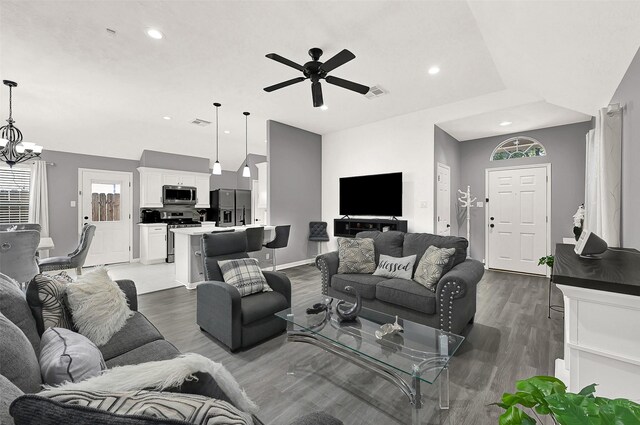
{"points": [[349, 227]]}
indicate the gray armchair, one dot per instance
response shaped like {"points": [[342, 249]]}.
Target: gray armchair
{"points": [[237, 322], [18, 254], [75, 259]]}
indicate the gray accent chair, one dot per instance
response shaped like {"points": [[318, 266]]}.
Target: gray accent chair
{"points": [[74, 260], [18, 254], [237, 322], [451, 307]]}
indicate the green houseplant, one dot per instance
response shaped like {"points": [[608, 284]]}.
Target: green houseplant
{"points": [[548, 396], [546, 261]]}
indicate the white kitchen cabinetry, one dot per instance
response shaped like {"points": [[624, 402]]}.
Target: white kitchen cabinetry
{"points": [[153, 243], [152, 180], [151, 189], [202, 191]]}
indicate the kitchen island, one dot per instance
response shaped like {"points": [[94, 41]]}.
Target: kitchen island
{"points": [[187, 250]]}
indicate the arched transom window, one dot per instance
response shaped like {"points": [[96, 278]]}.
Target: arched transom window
{"points": [[518, 147]]}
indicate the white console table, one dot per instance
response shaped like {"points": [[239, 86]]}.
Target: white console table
{"points": [[602, 321]]}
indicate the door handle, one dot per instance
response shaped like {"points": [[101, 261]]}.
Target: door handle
{"points": [[86, 217], [492, 225], [448, 225], [491, 218]]}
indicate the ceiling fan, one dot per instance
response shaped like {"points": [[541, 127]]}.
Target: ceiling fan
{"points": [[316, 71]]}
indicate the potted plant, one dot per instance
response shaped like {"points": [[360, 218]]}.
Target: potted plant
{"points": [[546, 261], [548, 396]]}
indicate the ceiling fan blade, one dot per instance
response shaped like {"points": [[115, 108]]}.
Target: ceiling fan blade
{"points": [[276, 57], [284, 84], [346, 84], [316, 93], [338, 60]]}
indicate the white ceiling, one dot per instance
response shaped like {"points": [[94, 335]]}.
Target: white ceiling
{"points": [[83, 90]]}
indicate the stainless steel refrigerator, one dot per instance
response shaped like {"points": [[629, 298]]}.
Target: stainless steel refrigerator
{"points": [[230, 207]]}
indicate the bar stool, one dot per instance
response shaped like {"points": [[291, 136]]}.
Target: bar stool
{"points": [[255, 238], [318, 232], [280, 241]]}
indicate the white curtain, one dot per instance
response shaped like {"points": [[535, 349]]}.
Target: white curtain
{"points": [[39, 200], [603, 177]]}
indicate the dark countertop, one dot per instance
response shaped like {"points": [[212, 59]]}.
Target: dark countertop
{"points": [[617, 271]]}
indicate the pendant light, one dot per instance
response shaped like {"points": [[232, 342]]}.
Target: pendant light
{"points": [[217, 168], [246, 172], [12, 149]]}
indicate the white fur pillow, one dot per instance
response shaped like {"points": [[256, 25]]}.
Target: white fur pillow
{"points": [[98, 306]]}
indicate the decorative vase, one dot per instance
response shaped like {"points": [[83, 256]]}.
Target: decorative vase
{"points": [[348, 312]]}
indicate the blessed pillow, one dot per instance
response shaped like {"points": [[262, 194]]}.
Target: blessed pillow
{"points": [[356, 255], [431, 266], [98, 306], [395, 267], [190, 408], [245, 275], [45, 296], [68, 356]]}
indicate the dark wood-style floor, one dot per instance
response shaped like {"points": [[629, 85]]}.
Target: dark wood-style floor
{"points": [[512, 338]]}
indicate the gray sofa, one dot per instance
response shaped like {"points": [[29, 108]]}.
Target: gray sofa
{"points": [[451, 307], [138, 342]]}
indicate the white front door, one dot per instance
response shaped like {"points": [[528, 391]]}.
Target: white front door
{"points": [[105, 201], [517, 218], [443, 200]]}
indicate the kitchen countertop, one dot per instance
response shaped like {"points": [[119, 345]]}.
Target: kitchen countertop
{"points": [[152, 224], [210, 229]]}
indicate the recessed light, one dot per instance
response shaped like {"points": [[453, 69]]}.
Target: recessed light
{"points": [[505, 123], [166, 118], [227, 132], [154, 33], [324, 107], [434, 70]]}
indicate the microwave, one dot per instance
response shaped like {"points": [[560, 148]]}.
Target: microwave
{"points": [[178, 195]]}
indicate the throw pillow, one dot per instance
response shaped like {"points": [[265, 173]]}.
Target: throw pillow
{"points": [[98, 306], [68, 356], [394, 267], [431, 266], [159, 407], [15, 308], [8, 393], [356, 255], [18, 361], [45, 295], [245, 275]]}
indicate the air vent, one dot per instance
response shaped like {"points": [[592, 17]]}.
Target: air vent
{"points": [[200, 122], [375, 91]]}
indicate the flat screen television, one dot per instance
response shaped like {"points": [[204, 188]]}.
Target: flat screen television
{"points": [[378, 194]]}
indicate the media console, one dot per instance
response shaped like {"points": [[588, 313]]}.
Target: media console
{"points": [[349, 227]]}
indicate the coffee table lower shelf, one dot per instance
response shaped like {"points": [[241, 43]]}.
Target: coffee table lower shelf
{"points": [[411, 389]]}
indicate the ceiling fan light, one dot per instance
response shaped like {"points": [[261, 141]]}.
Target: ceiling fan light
{"points": [[217, 168], [246, 172]]}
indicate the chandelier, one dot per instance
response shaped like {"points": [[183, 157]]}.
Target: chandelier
{"points": [[12, 149]]}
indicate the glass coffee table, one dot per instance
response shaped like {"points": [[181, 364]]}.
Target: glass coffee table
{"points": [[418, 354]]}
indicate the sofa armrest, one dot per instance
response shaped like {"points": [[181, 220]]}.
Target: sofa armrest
{"points": [[317, 418], [219, 312], [130, 291], [280, 283], [328, 265], [458, 279]]}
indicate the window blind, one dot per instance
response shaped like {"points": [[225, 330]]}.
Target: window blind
{"points": [[14, 195]]}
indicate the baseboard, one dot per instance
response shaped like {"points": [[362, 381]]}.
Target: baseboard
{"points": [[135, 260], [291, 265]]}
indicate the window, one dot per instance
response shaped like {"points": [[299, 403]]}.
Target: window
{"points": [[14, 194], [518, 147]]}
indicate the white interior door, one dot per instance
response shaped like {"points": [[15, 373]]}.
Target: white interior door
{"points": [[105, 201], [517, 229], [443, 201]]}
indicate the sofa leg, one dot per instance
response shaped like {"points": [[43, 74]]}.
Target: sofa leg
{"points": [[79, 271]]}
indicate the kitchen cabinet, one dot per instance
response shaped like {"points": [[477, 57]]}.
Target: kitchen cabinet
{"points": [[151, 189], [202, 191], [153, 243], [152, 180]]}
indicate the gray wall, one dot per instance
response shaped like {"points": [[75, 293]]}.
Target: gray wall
{"points": [[447, 152], [171, 161], [227, 180], [295, 186], [565, 151], [628, 93], [63, 188]]}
